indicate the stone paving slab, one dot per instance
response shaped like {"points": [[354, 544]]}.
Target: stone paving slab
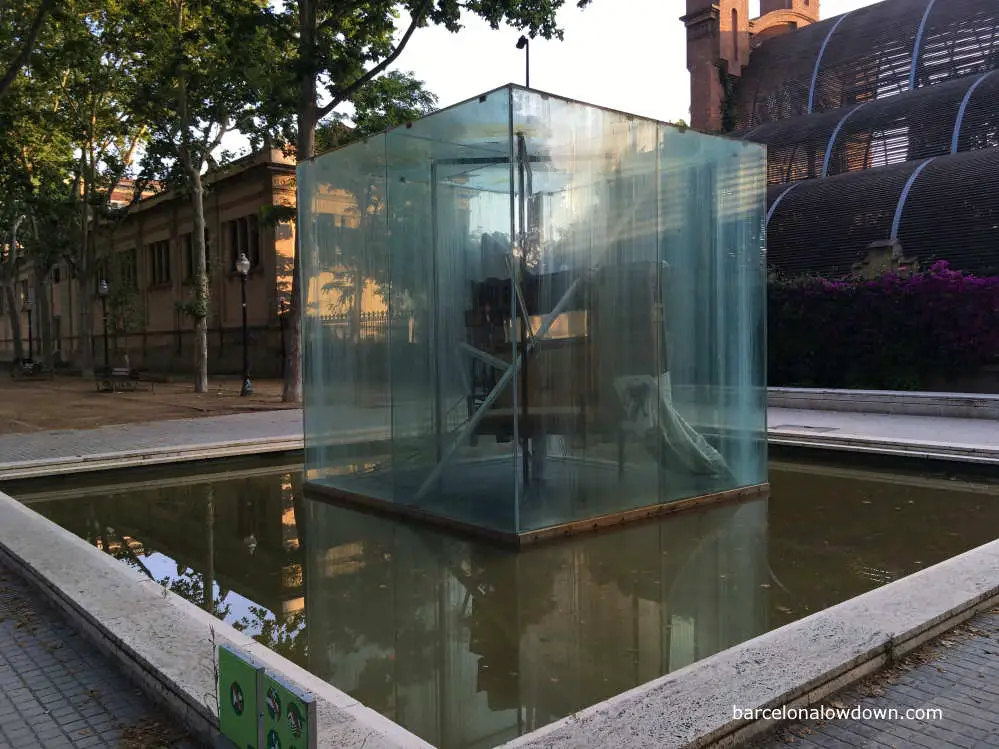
{"points": [[958, 674], [58, 692]]}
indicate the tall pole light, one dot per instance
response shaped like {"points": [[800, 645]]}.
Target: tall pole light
{"points": [[243, 266], [28, 304], [102, 292], [525, 44]]}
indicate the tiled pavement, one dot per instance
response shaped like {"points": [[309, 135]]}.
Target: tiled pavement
{"points": [[58, 692], [959, 674]]}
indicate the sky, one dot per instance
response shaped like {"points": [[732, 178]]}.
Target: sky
{"points": [[622, 54]]}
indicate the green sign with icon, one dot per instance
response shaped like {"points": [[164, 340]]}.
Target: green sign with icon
{"points": [[259, 710], [288, 716], [239, 689]]}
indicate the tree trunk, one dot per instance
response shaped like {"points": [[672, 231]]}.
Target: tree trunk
{"points": [[306, 148], [14, 315], [43, 320], [208, 603], [86, 288], [201, 291], [85, 330]]}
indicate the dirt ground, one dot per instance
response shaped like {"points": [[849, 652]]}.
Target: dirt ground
{"points": [[30, 405]]}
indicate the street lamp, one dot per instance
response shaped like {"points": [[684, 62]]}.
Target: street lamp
{"points": [[243, 266], [28, 304], [102, 292], [525, 44]]}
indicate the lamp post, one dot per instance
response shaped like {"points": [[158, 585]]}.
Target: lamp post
{"points": [[525, 44], [28, 304], [102, 292], [243, 266]]}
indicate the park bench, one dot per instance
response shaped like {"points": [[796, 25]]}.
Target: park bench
{"points": [[121, 379], [25, 368]]}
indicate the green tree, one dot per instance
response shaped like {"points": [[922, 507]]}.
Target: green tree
{"points": [[35, 156], [20, 25], [338, 47], [68, 137], [195, 91]]}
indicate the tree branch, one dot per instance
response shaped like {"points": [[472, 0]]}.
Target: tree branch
{"points": [[217, 141], [343, 94], [26, 49]]}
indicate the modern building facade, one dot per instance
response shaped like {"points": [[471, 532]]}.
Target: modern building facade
{"points": [[881, 127]]}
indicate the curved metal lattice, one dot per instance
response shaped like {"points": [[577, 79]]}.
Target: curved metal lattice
{"points": [[827, 225], [796, 148], [868, 55], [915, 125], [951, 212], [978, 126]]}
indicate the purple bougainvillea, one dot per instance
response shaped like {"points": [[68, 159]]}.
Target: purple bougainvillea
{"points": [[896, 331]]}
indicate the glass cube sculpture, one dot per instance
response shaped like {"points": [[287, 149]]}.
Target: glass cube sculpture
{"points": [[523, 314]]}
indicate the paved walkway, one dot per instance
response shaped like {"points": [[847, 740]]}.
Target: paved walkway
{"points": [[67, 451], [958, 674], [49, 453], [971, 440], [58, 692]]}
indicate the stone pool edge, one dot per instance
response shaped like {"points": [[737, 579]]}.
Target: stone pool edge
{"points": [[797, 665], [163, 643]]}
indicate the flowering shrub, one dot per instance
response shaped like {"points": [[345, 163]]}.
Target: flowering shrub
{"points": [[892, 332]]}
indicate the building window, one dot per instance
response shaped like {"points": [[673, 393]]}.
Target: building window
{"points": [[24, 292], [187, 245], [243, 235], [56, 274], [124, 270], [159, 263]]}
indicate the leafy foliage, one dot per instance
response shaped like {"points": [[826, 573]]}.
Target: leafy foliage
{"points": [[388, 101], [897, 331], [20, 25]]}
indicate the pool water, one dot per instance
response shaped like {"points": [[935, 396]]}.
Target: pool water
{"points": [[468, 644]]}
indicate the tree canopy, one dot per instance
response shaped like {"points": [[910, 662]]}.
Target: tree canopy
{"points": [[105, 94]]}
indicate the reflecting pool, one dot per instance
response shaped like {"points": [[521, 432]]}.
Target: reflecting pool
{"points": [[469, 645]]}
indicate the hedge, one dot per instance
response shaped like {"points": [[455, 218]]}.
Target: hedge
{"points": [[897, 331]]}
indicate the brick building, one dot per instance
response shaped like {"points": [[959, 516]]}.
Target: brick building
{"points": [[881, 127], [149, 257]]}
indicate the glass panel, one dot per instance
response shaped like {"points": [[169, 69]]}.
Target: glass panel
{"points": [[650, 239], [449, 219], [345, 324], [587, 252], [713, 215]]}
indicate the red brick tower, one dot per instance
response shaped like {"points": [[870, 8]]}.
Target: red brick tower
{"points": [[809, 8], [718, 47], [717, 43]]}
